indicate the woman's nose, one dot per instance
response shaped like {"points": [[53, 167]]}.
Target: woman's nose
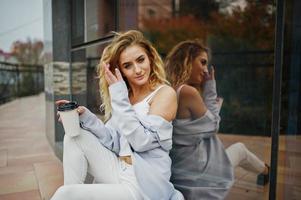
{"points": [[137, 69]]}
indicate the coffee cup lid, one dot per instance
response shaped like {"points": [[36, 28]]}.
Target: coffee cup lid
{"points": [[68, 106]]}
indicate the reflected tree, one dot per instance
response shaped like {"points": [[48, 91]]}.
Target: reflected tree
{"points": [[241, 37]]}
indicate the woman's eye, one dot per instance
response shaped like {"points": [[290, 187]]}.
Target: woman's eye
{"points": [[203, 62], [127, 66], [140, 60]]}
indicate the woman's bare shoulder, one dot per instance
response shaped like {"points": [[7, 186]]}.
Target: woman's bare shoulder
{"points": [[188, 91], [191, 100], [164, 103], [166, 92]]}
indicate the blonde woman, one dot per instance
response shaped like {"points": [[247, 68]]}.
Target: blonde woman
{"points": [[128, 155], [202, 168]]}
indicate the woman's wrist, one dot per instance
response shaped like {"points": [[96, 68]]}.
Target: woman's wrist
{"points": [[86, 115]]}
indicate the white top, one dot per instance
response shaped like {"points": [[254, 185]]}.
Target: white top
{"points": [[141, 108]]}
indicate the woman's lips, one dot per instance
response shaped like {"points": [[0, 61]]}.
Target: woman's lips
{"points": [[139, 77]]}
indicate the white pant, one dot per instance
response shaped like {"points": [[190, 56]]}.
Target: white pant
{"points": [[115, 179], [239, 155]]}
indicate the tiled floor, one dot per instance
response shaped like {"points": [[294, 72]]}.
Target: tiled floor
{"points": [[245, 186], [29, 170], [28, 167]]}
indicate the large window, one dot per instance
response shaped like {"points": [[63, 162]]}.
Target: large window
{"points": [[92, 20], [240, 35], [85, 87]]}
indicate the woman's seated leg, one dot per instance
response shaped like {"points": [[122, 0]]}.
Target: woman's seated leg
{"points": [[85, 153], [239, 155], [93, 191]]}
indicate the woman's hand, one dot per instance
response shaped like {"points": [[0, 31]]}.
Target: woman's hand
{"points": [[212, 73], [80, 109], [110, 77], [220, 101], [209, 75]]}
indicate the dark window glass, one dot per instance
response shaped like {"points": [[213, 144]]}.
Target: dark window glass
{"points": [[288, 176], [240, 35], [85, 88], [128, 12], [77, 22], [92, 20]]}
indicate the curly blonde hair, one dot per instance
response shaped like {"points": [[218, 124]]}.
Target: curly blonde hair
{"points": [[111, 55], [178, 62]]}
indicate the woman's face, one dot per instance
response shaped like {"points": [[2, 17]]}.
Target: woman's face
{"points": [[199, 67], [135, 65]]}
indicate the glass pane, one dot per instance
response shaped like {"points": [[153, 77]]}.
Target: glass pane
{"points": [[240, 35], [288, 179], [92, 20], [77, 22], [128, 12], [85, 89]]}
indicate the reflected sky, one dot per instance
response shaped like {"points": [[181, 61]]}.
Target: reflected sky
{"points": [[20, 20]]}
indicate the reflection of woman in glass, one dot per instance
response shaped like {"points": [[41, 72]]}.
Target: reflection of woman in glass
{"points": [[129, 154], [202, 168]]}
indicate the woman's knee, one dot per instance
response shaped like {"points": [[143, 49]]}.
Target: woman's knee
{"points": [[242, 150], [83, 137], [236, 153], [239, 145], [64, 192], [61, 193], [236, 148]]}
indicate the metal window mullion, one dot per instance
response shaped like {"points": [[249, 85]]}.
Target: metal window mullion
{"points": [[117, 15], [276, 105], [70, 47]]}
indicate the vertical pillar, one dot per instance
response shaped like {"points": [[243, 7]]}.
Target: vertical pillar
{"points": [[57, 32]]}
